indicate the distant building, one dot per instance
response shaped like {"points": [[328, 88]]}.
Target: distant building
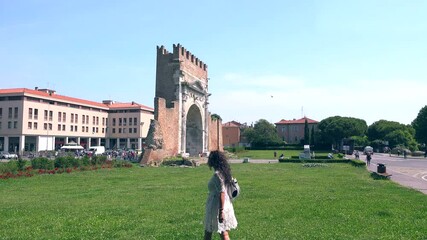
{"points": [[292, 131], [40, 119], [232, 134]]}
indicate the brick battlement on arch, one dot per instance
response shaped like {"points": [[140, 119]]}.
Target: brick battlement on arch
{"points": [[189, 62]]}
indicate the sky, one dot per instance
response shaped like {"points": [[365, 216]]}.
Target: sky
{"points": [[268, 60]]}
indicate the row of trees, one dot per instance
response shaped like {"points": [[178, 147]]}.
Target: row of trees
{"points": [[333, 129]]}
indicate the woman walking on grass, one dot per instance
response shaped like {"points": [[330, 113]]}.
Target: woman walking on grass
{"points": [[219, 209]]}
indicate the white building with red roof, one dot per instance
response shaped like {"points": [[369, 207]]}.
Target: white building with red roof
{"points": [[292, 131], [40, 119]]}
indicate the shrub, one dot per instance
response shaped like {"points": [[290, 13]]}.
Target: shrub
{"points": [[21, 164], [417, 153], [42, 163], [357, 163], [85, 161], [10, 167], [314, 160], [121, 163]]}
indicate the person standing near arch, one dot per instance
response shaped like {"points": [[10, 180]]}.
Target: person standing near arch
{"points": [[219, 215]]}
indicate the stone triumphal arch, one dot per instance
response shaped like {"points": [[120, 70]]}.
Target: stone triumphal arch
{"points": [[182, 122]]}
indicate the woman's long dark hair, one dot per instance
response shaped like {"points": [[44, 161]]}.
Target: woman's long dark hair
{"points": [[218, 161]]}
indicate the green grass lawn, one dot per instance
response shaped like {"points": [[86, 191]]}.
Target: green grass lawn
{"points": [[278, 201]]}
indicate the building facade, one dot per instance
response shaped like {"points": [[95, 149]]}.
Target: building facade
{"points": [[41, 119], [231, 134], [292, 131]]}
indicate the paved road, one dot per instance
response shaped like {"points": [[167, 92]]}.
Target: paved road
{"points": [[410, 172]]}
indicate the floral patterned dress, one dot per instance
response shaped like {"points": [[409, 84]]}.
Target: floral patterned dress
{"points": [[216, 186]]}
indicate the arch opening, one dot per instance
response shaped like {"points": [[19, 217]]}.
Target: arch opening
{"points": [[194, 131]]}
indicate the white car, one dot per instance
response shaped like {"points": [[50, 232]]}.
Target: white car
{"points": [[7, 155]]}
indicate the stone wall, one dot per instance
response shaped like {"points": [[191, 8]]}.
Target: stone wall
{"points": [[215, 127], [164, 127]]}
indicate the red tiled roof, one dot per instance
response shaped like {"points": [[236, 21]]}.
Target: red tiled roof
{"points": [[298, 121], [232, 124], [26, 91], [129, 105]]}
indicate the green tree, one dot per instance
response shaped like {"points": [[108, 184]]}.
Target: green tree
{"points": [[420, 125], [402, 137], [312, 138], [379, 129], [263, 134], [306, 132], [360, 140], [393, 132], [334, 129]]}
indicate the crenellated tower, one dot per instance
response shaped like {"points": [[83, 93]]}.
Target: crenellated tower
{"points": [[181, 106]]}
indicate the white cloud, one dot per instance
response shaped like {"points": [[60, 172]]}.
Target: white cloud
{"points": [[280, 97]]}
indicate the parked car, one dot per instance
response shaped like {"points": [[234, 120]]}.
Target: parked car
{"points": [[7, 155]]}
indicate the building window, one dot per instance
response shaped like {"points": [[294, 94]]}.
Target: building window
{"points": [[10, 113], [83, 128], [76, 119], [9, 125], [130, 129], [114, 130], [97, 120], [83, 119], [103, 121], [135, 121], [114, 122], [106, 121], [93, 120], [45, 115], [30, 125], [96, 130], [30, 113], [93, 129], [120, 130], [36, 114], [72, 117], [45, 126], [71, 128], [59, 127], [64, 117], [15, 124], [0, 125], [124, 121], [130, 121], [1, 113], [50, 126], [102, 130], [87, 120], [120, 121], [63, 127], [50, 115], [87, 129], [15, 115], [59, 116], [134, 130], [35, 126], [124, 130]]}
